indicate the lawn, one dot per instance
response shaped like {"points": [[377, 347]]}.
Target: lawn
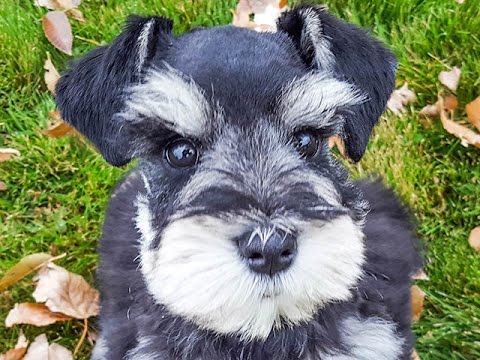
{"points": [[57, 190]]}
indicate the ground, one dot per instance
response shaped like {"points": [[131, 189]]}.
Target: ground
{"points": [[58, 189]]}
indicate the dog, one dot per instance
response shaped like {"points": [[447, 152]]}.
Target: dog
{"points": [[239, 236]]}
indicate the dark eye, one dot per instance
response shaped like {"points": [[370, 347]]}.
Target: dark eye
{"points": [[306, 143], [181, 153]]}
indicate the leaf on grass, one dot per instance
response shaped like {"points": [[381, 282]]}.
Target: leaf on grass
{"points": [[430, 110], [66, 293], [57, 130], [24, 267], [467, 136], [420, 275], [58, 4], [399, 99], [18, 352], [265, 14], [76, 14], [415, 355], [33, 314], [42, 350], [450, 78], [337, 141], [450, 103], [473, 112], [58, 31], [474, 239], [51, 74], [3, 186], [7, 154], [418, 297]]}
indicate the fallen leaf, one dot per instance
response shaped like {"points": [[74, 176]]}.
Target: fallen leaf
{"points": [[33, 314], [58, 4], [418, 296], [415, 355], [3, 186], [76, 14], [474, 239], [66, 293], [41, 350], [265, 14], [7, 154], [420, 275], [51, 74], [450, 78], [450, 102], [467, 136], [19, 351], [25, 266], [460, 1], [400, 98], [337, 141], [58, 129], [58, 31], [473, 112], [430, 110]]}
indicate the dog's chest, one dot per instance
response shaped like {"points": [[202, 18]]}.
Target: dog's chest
{"points": [[369, 339]]}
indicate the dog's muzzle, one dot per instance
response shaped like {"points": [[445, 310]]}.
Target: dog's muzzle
{"points": [[268, 252]]}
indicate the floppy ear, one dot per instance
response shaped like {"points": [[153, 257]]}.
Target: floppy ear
{"points": [[91, 92], [328, 44]]}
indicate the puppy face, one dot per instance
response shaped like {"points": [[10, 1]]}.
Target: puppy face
{"points": [[246, 224]]}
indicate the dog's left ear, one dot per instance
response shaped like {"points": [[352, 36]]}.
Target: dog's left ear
{"points": [[326, 43]]}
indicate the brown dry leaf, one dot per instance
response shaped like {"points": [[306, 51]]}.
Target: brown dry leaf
{"points": [[7, 154], [337, 141], [265, 14], [420, 275], [58, 4], [66, 293], [18, 352], [58, 31], [59, 129], [27, 265], [418, 296], [76, 14], [474, 239], [430, 110], [467, 136], [450, 102], [400, 98], [3, 186], [450, 78], [33, 314], [415, 355], [51, 74], [41, 350], [473, 112]]}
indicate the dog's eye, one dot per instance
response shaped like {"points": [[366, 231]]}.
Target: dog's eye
{"points": [[306, 143], [181, 153]]}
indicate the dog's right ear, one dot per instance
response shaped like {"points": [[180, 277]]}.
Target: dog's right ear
{"points": [[91, 92]]}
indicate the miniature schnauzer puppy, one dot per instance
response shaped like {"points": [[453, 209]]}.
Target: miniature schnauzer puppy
{"points": [[239, 236]]}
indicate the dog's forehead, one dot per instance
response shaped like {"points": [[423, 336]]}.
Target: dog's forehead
{"points": [[241, 69]]}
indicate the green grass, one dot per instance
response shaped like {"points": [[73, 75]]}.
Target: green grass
{"points": [[58, 189]]}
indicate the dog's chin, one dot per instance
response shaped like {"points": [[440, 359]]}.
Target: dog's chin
{"points": [[197, 273]]}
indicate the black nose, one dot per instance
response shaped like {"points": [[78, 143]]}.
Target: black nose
{"points": [[268, 252]]}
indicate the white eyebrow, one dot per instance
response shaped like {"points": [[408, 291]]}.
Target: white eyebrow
{"points": [[312, 100], [173, 100]]}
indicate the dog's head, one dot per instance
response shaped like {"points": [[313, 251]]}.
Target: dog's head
{"points": [[247, 223]]}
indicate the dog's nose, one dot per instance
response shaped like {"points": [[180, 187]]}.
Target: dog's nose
{"points": [[269, 252]]}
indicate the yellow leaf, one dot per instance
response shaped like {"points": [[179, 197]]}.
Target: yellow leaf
{"points": [[418, 297], [473, 112], [24, 267]]}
